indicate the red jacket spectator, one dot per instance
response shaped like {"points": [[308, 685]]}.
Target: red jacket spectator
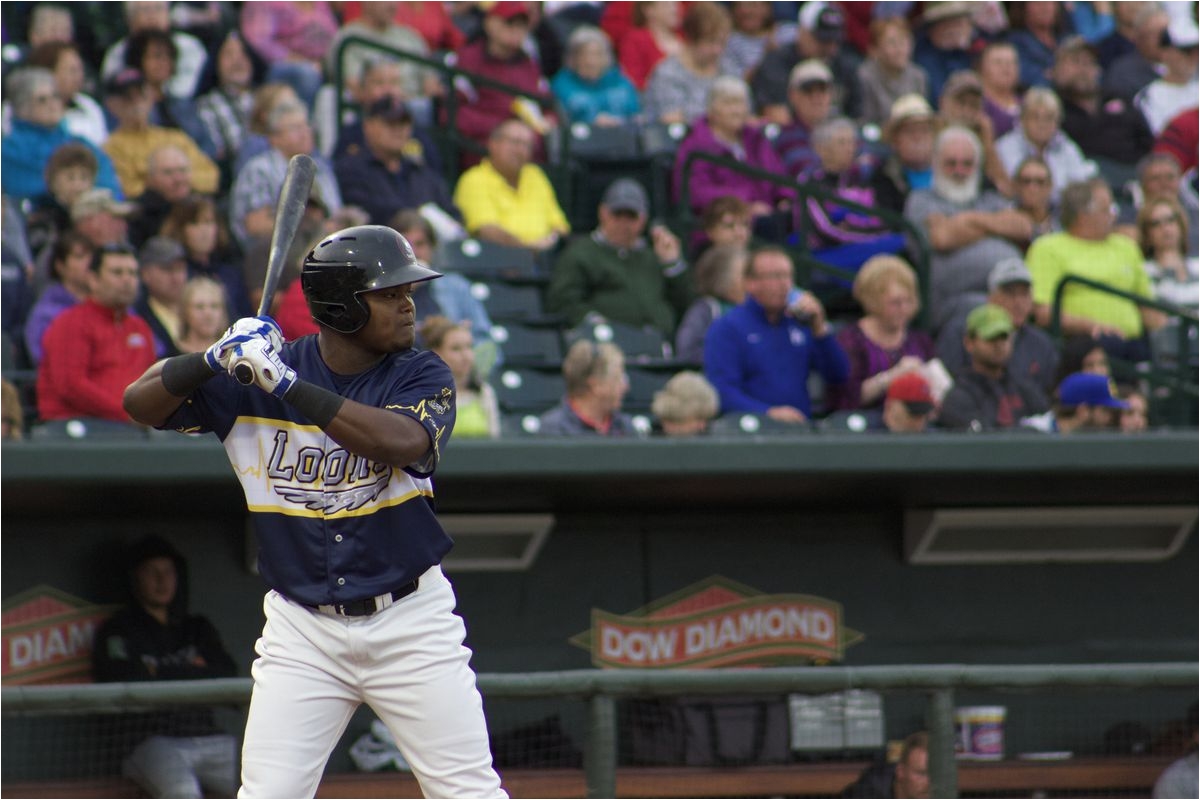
{"points": [[858, 16], [92, 353], [292, 314], [499, 56], [1179, 139], [637, 34]]}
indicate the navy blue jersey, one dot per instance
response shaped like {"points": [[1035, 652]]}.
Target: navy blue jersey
{"points": [[332, 526]]}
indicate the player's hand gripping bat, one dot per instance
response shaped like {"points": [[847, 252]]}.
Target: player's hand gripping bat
{"points": [[293, 197]]}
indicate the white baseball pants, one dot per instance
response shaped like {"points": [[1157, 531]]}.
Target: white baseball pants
{"points": [[407, 662], [184, 766]]}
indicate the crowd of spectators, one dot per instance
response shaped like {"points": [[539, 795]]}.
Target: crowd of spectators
{"points": [[145, 143]]}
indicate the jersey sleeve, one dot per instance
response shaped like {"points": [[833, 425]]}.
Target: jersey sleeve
{"points": [[211, 408], [424, 391]]}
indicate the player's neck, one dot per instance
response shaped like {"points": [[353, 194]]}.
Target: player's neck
{"points": [[343, 356]]}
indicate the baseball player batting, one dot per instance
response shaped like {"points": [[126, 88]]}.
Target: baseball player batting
{"points": [[335, 442]]}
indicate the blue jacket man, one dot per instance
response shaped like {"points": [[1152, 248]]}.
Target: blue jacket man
{"points": [[760, 354]]}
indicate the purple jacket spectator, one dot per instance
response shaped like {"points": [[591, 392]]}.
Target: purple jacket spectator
{"points": [[54, 300], [710, 181], [867, 358]]}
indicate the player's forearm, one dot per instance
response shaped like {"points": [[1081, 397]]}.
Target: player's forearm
{"points": [[147, 400], [382, 436]]}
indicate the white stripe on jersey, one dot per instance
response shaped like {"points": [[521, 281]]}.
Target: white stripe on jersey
{"points": [[298, 471]]}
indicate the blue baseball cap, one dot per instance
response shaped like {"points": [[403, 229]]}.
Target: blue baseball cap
{"points": [[1084, 388]]}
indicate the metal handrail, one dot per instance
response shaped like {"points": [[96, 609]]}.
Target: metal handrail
{"points": [[601, 688], [1185, 391], [805, 192]]}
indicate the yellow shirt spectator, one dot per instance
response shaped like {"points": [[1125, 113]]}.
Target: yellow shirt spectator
{"points": [[530, 212], [1116, 261], [130, 153]]}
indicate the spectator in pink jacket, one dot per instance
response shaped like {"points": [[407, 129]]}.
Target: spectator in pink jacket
{"points": [[292, 38], [725, 131]]}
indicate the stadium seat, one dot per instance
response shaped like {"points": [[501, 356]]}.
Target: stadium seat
{"points": [[856, 421], [602, 143], [520, 424], [528, 390], [658, 139], [738, 423], [505, 301], [640, 345], [643, 383], [479, 259], [526, 345], [75, 429]]}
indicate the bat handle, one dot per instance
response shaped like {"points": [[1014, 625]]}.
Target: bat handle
{"points": [[244, 373]]}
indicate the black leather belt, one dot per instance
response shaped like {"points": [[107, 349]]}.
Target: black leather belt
{"points": [[370, 605]]}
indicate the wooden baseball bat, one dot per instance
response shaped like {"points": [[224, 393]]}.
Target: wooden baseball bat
{"points": [[293, 198]]}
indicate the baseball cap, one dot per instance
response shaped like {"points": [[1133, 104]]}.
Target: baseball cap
{"points": [[389, 108], [964, 80], [907, 108], [625, 194], [1085, 388], [507, 9], [808, 72], [937, 12], [94, 201], [124, 81], [161, 250], [988, 321], [1182, 33], [1010, 270], [822, 20], [913, 390]]}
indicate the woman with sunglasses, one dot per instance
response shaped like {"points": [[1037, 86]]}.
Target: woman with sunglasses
{"points": [[1163, 234], [1032, 188]]}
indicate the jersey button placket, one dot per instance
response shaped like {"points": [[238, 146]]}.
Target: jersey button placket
{"points": [[337, 538], [341, 581]]}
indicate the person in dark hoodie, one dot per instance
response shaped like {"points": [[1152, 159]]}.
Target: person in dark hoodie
{"points": [[908, 777], [154, 638]]}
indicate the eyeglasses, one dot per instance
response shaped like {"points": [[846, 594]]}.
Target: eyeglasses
{"points": [[951, 163], [1156, 222], [43, 99], [1030, 180]]}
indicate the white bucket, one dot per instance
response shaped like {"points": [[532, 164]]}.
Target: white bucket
{"points": [[980, 732]]}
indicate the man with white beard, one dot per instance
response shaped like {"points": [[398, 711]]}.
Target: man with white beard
{"points": [[969, 230]]}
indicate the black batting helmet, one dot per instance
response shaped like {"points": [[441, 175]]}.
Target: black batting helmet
{"points": [[352, 261]]}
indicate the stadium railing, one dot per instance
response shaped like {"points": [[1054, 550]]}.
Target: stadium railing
{"points": [[601, 690], [1173, 378]]}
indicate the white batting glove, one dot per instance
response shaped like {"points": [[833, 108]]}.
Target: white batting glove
{"points": [[270, 373], [247, 328]]}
